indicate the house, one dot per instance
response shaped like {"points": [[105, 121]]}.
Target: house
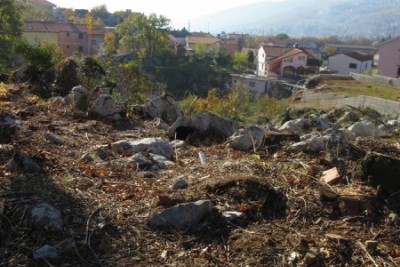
{"points": [[389, 58], [285, 62], [345, 63], [256, 84], [71, 38], [208, 42]]}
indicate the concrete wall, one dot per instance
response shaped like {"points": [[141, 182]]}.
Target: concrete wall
{"points": [[381, 105], [377, 79]]}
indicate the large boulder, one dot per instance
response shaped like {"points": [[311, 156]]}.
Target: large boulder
{"points": [[78, 98], [66, 76], [365, 129], [201, 126], [247, 139], [106, 108], [164, 107]]}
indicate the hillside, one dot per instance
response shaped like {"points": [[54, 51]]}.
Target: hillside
{"points": [[77, 190], [357, 18]]}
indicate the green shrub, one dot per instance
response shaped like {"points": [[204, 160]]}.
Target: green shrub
{"points": [[42, 55]]}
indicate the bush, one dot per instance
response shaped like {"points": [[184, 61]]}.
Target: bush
{"points": [[238, 104], [42, 55], [91, 71]]}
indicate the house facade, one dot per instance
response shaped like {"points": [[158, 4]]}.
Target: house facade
{"points": [[71, 38], [389, 58], [255, 84], [345, 63], [285, 62]]}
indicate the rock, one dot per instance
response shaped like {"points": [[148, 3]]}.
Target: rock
{"points": [[393, 218], [156, 146], [293, 126], [365, 128], [53, 254], [26, 164], [146, 161], [9, 127], [54, 138], [6, 150], [161, 161], [78, 98], [66, 76], [180, 184], [164, 107], [380, 170], [25, 73], [47, 218], [201, 126], [247, 139], [182, 216], [314, 145], [104, 152], [233, 216], [87, 157], [26, 112], [348, 117], [47, 253], [105, 108]]}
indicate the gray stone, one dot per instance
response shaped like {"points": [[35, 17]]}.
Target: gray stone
{"points": [[55, 139], [104, 152], [182, 216], [47, 253], [180, 184], [105, 108], [293, 126], [231, 216], [202, 124], [157, 146], [46, 217], [164, 107], [78, 98], [365, 129], [26, 164], [247, 139], [9, 127]]}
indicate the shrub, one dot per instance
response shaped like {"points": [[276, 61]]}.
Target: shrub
{"points": [[42, 55]]}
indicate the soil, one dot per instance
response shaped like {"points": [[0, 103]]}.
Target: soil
{"points": [[291, 218]]}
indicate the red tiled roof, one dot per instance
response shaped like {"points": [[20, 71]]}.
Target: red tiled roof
{"points": [[51, 26], [202, 40], [290, 53], [275, 51], [43, 3]]}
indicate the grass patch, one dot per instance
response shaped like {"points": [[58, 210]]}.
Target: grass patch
{"points": [[351, 88]]}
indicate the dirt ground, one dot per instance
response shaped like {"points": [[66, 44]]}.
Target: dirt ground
{"points": [[292, 219]]}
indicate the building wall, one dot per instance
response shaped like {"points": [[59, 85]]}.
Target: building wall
{"points": [[253, 83], [299, 60], [35, 37], [389, 58], [73, 42], [341, 64], [261, 68]]}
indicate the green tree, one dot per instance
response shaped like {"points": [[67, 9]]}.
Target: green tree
{"points": [[144, 36], [42, 55], [100, 12], [109, 44], [239, 61], [282, 36], [10, 32]]}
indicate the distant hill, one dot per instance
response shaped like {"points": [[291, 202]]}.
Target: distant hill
{"points": [[357, 18]]}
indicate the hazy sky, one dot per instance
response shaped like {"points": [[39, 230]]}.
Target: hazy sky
{"points": [[178, 11]]}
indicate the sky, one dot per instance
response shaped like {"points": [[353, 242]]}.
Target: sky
{"points": [[180, 12]]}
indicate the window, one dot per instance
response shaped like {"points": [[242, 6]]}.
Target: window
{"points": [[80, 48], [67, 46], [234, 81], [353, 66], [252, 84], [67, 33], [288, 60], [398, 71], [302, 58], [81, 36]]}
